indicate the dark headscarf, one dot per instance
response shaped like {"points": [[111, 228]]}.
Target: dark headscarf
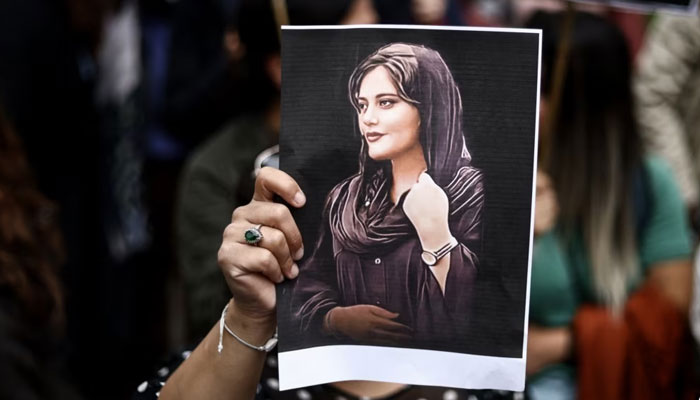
{"points": [[360, 209]]}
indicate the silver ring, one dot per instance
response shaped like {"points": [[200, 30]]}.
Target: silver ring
{"points": [[253, 235]]}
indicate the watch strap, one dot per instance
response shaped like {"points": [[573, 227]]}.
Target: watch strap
{"points": [[444, 250]]}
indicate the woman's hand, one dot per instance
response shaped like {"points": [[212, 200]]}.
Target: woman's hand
{"points": [[252, 271], [427, 207], [546, 346], [367, 323], [232, 371], [546, 204]]}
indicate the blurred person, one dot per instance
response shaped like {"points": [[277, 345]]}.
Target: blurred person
{"points": [[218, 176], [32, 318], [524, 9], [667, 88], [424, 12], [631, 22], [70, 80], [610, 281], [429, 11], [119, 100], [47, 78], [203, 79], [487, 12]]}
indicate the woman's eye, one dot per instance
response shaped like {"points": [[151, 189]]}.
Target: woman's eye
{"points": [[362, 107], [386, 103]]}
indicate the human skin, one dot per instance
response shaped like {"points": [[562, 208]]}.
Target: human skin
{"points": [[389, 124]]}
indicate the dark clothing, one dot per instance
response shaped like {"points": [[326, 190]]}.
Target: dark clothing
{"points": [[216, 179], [46, 86], [375, 259], [30, 358], [201, 90]]}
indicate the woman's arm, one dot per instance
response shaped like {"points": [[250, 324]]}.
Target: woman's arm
{"points": [[665, 241], [674, 279], [547, 346], [250, 272], [427, 207], [232, 374]]}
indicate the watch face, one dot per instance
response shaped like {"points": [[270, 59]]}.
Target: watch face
{"points": [[428, 258]]}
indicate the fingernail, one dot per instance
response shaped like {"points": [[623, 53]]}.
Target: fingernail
{"points": [[294, 271], [299, 199], [299, 254], [280, 279]]}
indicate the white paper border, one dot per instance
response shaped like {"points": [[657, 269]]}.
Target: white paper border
{"points": [[414, 27], [308, 367], [319, 365]]}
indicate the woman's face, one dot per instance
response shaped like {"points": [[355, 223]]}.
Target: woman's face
{"points": [[389, 124]]}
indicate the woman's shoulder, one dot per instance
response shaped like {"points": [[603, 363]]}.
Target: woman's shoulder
{"points": [[469, 173], [468, 178]]}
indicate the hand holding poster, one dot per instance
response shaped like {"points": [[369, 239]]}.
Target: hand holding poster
{"points": [[416, 149]]}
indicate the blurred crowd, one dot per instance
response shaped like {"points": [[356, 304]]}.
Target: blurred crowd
{"points": [[131, 129]]}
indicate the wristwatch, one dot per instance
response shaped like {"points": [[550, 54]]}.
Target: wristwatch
{"points": [[432, 257]]}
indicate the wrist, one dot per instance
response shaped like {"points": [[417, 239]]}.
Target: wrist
{"points": [[434, 258], [255, 329], [562, 342], [329, 321], [434, 240], [568, 343]]}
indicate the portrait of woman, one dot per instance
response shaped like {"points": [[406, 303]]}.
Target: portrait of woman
{"points": [[397, 253]]}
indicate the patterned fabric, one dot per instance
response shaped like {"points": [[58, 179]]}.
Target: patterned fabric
{"points": [[667, 86]]}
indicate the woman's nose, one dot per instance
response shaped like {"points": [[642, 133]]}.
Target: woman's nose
{"points": [[368, 118]]}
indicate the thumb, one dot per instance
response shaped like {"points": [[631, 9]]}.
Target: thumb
{"points": [[271, 182]]}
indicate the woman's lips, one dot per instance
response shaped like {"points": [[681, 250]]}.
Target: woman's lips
{"points": [[373, 136]]}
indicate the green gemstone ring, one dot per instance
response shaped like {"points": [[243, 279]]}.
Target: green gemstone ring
{"points": [[253, 235]]}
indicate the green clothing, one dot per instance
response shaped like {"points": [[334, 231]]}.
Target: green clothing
{"points": [[216, 179], [561, 278]]}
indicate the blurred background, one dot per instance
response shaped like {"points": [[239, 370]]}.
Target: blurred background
{"points": [[110, 114]]}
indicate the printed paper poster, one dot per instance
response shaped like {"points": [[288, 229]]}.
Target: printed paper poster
{"points": [[416, 149]]}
